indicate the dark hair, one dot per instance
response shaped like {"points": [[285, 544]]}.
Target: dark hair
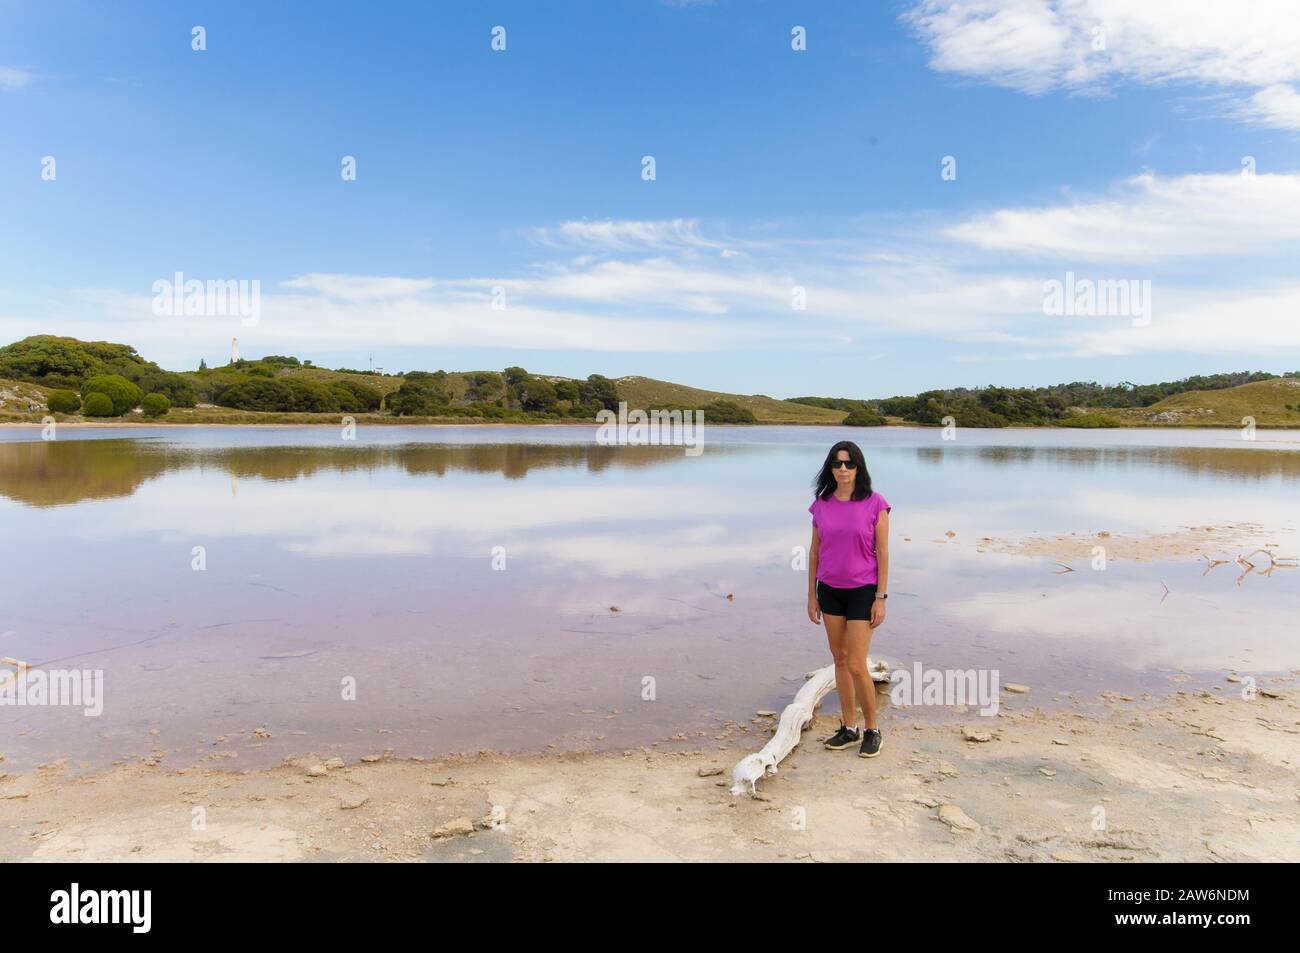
{"points": [[824, 482]]}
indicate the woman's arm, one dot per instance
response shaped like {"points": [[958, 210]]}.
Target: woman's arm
{"points": [[814, 550], [882, 568]]}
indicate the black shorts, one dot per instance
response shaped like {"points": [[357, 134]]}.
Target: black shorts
{"points": [[850, 603]]}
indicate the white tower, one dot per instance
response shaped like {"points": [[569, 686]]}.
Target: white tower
{"points": [[234, 350]]}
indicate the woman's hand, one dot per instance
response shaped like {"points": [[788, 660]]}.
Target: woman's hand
{"points": [[878, 612], [814, 611]]}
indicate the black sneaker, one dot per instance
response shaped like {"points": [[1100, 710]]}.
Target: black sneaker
{"points": [[871, 743], [844, 738]]}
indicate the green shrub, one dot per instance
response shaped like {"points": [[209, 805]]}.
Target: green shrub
{"points": [[863, 418], [63, 402], [728, 412], [257, 393], [1089, 421], [599, 389], [311, 396], [174, 387], [98, 404], [344, 399], [155, 405], [369, 398], [534, 393], [121, 392], [66, 362], [421, 395], [485, 387]]}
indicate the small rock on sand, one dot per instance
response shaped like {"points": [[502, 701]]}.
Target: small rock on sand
{"points": [[334, 764], [352, 800], [956, 818], [975, 733], [709, 771], [1016, 689], [455, 827], [316, 771], [1069, 857]]}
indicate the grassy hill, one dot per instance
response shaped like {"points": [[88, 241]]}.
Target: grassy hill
{"points": [[648, 392], [1274, 403], [644, 392], [282, 390], [385, 383]]}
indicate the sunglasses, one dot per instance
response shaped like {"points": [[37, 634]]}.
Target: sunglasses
{"points": [[844, 465]]}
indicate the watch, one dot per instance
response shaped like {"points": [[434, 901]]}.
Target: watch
{"points": [[882, 595]]}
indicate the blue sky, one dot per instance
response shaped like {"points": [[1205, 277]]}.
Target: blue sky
{"points": [[776, 169]]}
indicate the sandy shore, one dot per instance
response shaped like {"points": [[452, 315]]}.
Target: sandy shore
{"points": [[1186, 542], [1200, 776]]}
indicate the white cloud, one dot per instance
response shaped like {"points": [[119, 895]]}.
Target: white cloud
{"points": [[1023, 44], [712, 288], [1153, 219], [1085, 45], [15, 77], [610, 235], [359, 287], [1201, 321], [1277, 105]]}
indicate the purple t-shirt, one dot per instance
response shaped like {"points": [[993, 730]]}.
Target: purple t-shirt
{"points": [[847, 558]]}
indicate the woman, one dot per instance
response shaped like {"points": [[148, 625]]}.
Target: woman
{"points": [[848, 578]]}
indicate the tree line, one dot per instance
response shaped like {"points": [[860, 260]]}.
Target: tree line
{"points": [[1004, 406]]}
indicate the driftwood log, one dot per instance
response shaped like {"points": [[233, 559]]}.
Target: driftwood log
{"points": [[7, 677], [797, 716]]}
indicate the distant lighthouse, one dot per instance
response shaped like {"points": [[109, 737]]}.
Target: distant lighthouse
{"points": [[234, 350]]}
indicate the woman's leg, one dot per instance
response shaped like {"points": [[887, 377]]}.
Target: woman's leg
{"points": [[857, 638], [839, 642]]}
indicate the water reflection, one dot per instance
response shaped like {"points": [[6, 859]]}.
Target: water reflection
{"points": [[53, 473], [1235, 462]]}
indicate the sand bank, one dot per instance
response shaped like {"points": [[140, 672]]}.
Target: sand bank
{"points": [[1201, 776], [1221, 541]]}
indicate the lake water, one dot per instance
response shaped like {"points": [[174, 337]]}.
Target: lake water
{"points": [[378, 562]]}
